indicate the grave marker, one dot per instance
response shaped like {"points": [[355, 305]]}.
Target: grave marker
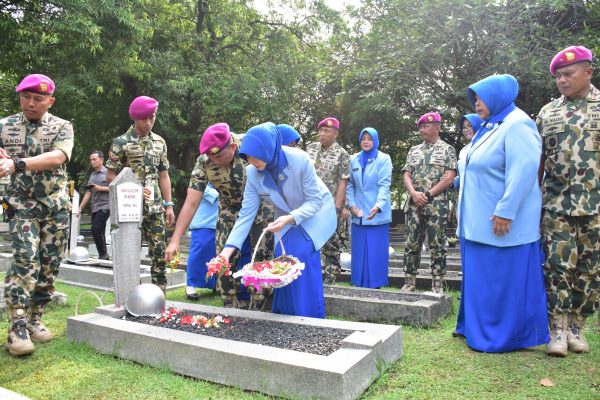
{"points": [[125, 211]]}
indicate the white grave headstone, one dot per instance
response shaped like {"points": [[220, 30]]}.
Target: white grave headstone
{"points": [[74, 221], [126, 212]]}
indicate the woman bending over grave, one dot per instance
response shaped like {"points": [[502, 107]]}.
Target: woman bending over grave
{"points": [[368, 195], [305, 215]]}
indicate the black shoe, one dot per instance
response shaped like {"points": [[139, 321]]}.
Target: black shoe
{"points": [[458, 335], [104, 257]]}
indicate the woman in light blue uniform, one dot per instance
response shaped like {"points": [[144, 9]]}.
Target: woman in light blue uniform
{"points": [[202, 243], [503, 302], [305, 215], [289, 136], [368, 195], [469, 125]]}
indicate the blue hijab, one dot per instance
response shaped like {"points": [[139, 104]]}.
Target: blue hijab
{"points": [[475, 121], [367, 157], [498, 92], [288, 134], [264, 143]]}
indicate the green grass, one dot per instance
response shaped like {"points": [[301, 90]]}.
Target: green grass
{"points": [[434, 366]]}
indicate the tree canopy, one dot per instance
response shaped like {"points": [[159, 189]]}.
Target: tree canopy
{"points": [[381, 64]]}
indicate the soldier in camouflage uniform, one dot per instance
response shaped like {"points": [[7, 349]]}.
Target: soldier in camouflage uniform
{"points": [[570, 129], [146, 154], [429, 170], [220, 164], [35, 147], [332, 164]]}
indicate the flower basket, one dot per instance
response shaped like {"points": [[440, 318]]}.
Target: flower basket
{"points": [[276, 273]]}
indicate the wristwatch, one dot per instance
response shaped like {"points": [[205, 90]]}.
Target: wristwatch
{"points": [[167, 203], [20, 165]]}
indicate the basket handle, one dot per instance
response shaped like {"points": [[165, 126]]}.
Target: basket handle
{"points": [[262, 235]]}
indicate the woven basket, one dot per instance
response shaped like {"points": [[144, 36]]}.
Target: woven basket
{"points": [[266, 278]]}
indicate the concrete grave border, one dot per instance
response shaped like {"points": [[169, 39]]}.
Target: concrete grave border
{"points": [[418, 308], [344, 374], [102, 278]]}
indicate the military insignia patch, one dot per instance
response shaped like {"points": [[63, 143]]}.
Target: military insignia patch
{"points": [[570, 56], [429, 118], [551, 144], [329, 122], [214, 150], [43, 87]]}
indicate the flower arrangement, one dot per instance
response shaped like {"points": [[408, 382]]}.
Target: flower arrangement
{"points": [[174, 261], [175, 315], [218, 265], [275, 273]]}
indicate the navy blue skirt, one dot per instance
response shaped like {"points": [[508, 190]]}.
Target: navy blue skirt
{"points": [[304, 296], [503, 299], [202, 250], [370, 255]]}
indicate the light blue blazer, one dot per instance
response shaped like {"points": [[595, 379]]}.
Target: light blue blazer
{"points": [[371, 189], [500, 178], [307, 199]]}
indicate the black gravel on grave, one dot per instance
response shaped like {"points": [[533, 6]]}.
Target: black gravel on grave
{"points": [[370, 294], [304, 338]]}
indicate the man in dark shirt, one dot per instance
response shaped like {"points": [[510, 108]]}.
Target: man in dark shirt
{"points": [[97, 190]]}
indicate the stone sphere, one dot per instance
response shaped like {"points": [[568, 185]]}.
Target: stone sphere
{"points": [[145, 300], [79, 254], [345, 260]]}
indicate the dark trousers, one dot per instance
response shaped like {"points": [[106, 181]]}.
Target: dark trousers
{"points": [[98, 228]]}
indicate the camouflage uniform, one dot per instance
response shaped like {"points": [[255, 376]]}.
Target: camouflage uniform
{"points": [[571, 203], [230, 182], [332, 164], [147, 157], [39, 227], [427, 163]]}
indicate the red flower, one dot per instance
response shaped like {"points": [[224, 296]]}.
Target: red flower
{"points": [[218, 265]]}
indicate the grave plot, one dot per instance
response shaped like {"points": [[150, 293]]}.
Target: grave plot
{"points": [[419, 308], [98, 275], [281, 355], [287, 356], [452, 280]]}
